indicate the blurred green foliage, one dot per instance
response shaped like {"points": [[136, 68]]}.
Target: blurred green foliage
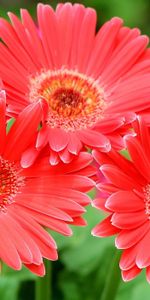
{"points": [[84, 261]]}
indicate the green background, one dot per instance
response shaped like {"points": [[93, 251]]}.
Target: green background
{"points": [[84, 262]]}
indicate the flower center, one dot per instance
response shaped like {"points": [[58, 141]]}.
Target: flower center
{"points": [[147, 199], [10, 182], [75, 100]]}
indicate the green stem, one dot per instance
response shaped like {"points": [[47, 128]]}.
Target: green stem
{"points": [[113, 279], [43, 285]]}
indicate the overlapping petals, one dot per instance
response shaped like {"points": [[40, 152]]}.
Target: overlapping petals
{"points": [[36, 197], [115, 58], [127, 201]]}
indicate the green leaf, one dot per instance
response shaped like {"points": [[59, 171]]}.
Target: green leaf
{"points": [[9, 124]]}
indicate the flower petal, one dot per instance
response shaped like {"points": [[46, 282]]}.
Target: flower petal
{"points": [[130, 274], [95, 139], [124, 201], [105, 228], [128, 238], [27, 121]]}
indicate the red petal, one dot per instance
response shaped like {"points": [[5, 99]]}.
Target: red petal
{"points": [[95, 139], [22, 132], [36, 269], [138, 156], [105, 228], [129, 220], [128, 238], [143, 253], [128, 257], [2, 120], [130, 274], [58, 139], [124, 201], [118, 177]]}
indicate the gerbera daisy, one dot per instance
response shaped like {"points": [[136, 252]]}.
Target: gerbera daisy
{"points": [[127, 202], [38, 196], [91, 81]]}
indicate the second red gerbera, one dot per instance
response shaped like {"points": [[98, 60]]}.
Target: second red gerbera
{"points": [[127, 202], [36, 197]]}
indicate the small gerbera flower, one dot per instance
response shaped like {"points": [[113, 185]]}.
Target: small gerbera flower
{"points": [[127, 202], [38, 196], [91, 82]]}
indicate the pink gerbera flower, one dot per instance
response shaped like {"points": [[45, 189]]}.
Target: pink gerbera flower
{"points": [[38, 196], [91, 82], [128, 201]]}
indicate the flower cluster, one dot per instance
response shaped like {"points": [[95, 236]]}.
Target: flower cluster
{"points": [[71, 91]]}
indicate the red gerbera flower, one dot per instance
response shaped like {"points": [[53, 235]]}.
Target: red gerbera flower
{"points": [[91, 82], [128, 201], [38, 196]]}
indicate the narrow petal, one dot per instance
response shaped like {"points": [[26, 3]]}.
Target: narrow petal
{"points": [[65, 156], [74, 145], [148, 274], [128, 238], [8, 251], [42, 138], [58, 139], [65, 24], [114, 174], [2, 119], [77, 182], [18, 240], [8, 35], [54, 224], [36, 269], [99, 203], [106, 36], [48, 209], [143, 257], [34, 36], [129, 220], [130, 274], [43, 33], [27, 121], [79, 221], [86, 38], [34, 249], [78, 17], [29, 156], [23, 37], [128, 258], [129, 99], [95, 139], [125, 59], [105, 228], [138, 156], [54, 158], [124, 201]]}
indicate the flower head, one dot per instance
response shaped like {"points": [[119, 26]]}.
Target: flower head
{"points": [[93, 82], [36, 197], [127, 201]]}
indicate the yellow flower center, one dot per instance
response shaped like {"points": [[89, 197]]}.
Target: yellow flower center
{"points": [[75, 100], [9, 183]]}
